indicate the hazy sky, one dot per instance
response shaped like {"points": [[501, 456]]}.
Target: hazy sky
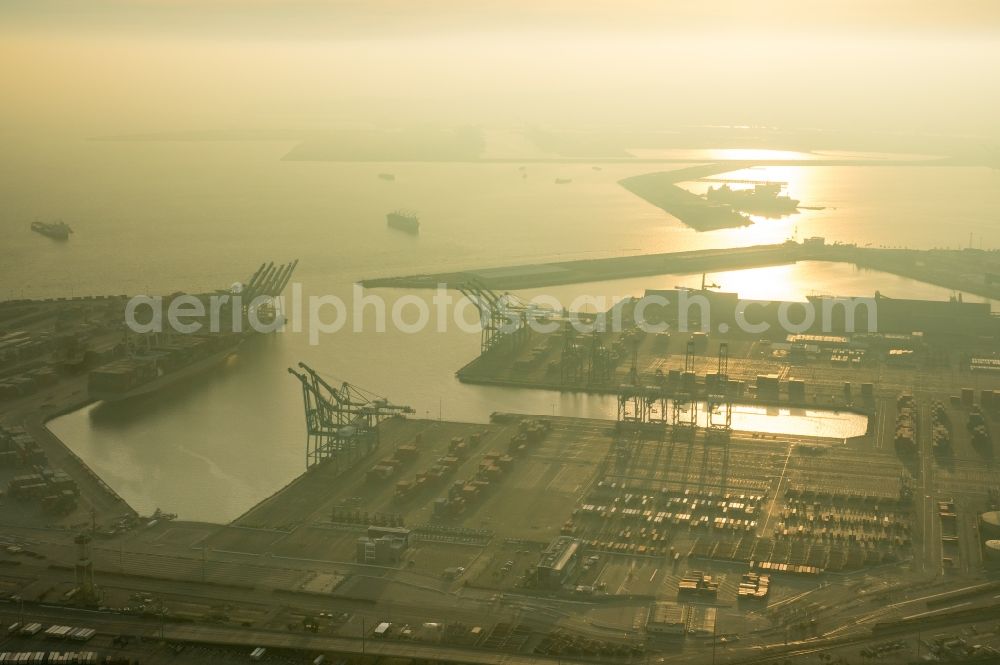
{"points": [[98, 66], [379, 17]]}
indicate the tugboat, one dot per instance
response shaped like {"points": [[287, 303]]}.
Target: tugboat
{"points": [[59, 230], [403, 220]]}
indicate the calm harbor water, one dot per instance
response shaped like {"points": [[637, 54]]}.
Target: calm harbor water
{"points": [[160, 217]]}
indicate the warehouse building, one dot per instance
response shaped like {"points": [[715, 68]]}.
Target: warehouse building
{"points": [[558, 562], [667, 619]]}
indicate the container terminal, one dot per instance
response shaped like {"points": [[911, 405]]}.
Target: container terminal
{"points": [[763, 198], [663, 532]]}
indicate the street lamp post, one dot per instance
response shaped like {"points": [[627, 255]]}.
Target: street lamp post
{"points": [[715, 641]]}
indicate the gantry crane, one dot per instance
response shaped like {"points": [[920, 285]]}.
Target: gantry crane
{"points": [[341, 423], [255, 299], [720, 401], [268, 281], [264, 286], [501, 316]]}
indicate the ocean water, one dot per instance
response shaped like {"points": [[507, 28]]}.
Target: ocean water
{"points": [[159, 217]]}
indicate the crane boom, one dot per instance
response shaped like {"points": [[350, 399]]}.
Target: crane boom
{"points": [[341, 423]]}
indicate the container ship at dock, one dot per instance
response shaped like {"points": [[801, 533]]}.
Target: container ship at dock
{"points": [[159, 366], [153, 361]]}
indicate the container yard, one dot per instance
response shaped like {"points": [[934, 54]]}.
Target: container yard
{"points": [[842, 370]]}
